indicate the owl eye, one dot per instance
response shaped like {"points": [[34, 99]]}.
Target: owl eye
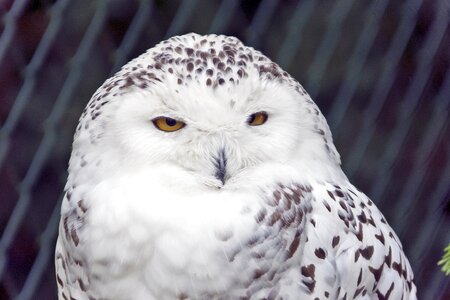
{"points": [[167, 124], [257, 119]]}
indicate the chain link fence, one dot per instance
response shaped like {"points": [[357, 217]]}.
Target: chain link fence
{"points": [[379, 70]]}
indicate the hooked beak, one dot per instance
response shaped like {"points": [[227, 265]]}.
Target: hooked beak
{"points": [[220, 163]]}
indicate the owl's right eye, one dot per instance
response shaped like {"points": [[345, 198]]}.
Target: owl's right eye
{"points": [[167, 124]]}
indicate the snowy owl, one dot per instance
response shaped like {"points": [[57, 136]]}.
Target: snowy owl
{"points": [[202, 170]]}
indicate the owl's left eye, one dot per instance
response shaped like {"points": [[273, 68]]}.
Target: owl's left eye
{"points": [[257, 119], [167, 124]]}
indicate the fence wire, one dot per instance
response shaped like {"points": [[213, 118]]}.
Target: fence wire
{"points": [[378, 69]]}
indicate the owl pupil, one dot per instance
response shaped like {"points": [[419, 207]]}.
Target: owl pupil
{"points": [[171, 122], [251, 119]]}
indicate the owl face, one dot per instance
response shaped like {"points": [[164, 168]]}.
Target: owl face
{"points": [[208, 106], [214, 134]]}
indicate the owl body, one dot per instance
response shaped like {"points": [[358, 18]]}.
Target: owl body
{"points": [[218, 208]]}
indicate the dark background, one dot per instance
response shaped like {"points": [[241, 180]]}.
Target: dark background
{"points": [[379, 70]]}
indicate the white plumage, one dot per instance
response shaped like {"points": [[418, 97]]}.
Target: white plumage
{"points": [[202, 170]]}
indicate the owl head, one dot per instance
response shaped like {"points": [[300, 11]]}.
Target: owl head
{"points": [[205, 105]]}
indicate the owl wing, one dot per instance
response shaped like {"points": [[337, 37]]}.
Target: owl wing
{"points": [[71, 275], [355, 253]]}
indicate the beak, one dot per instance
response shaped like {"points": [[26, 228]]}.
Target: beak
{"points": [[220, 163]]}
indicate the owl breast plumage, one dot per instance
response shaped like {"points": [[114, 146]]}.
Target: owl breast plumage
{"points": [[202, 170]]}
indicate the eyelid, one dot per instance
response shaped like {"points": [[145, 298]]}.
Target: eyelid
{"points": [[169, 114]]}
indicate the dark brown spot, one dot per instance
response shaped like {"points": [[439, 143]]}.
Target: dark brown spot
{"points": [[310, 285], [320, 253], [404, 273], [388, 293], [376, 272], [258, 273], [308, 271], [343, 205], [409, 284], [298, 194], [66, 227], [276, 197], [367, 252], [261, 215], [189, 51], [331, 195], [287, 203], [357, 292], [294, 245], [78, 262], [362, 217], [82, 206], [359, 233], [74, 235], [327, 206], [335, 241], [59, 280], [128, 82], [252, 240], [275, 217], [380, 237], [397, 267], [371, 221], [82, 285], [388, 258]]}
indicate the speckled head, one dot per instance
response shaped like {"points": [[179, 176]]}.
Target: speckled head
{"points": [[213, 84], [210, 61]]}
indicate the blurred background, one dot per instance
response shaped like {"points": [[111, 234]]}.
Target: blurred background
{"points": [[379, 70]]}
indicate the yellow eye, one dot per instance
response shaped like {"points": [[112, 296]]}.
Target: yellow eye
{"points": [[167, 124], [257, 119]]}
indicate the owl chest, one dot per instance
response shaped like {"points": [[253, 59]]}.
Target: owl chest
{"points": [[171, 258]]}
